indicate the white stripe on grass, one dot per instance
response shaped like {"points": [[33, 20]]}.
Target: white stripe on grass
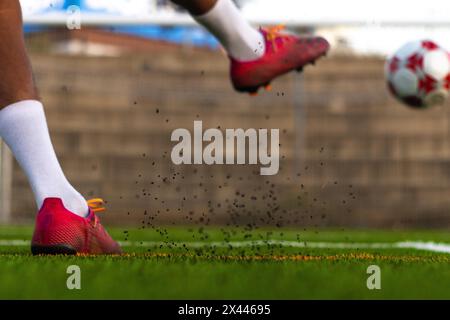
{"points": [[14, 243], [416, 245]]}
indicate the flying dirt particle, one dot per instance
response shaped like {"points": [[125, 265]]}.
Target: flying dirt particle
{"points": [[64, 89]]}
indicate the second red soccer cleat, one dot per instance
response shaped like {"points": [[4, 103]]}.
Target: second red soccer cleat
{"points": [[284, 52]]}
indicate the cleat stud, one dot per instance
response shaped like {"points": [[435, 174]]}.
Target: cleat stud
{"points": [[252, 91]]}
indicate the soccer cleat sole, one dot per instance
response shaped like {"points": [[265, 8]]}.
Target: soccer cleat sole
{"points": [[61, 249], [253, 91]]}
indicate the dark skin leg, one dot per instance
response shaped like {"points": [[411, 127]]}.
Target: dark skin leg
{"points": [[196, 7], [15, 69]]}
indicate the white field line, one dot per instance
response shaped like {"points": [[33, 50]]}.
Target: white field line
{"points": [[14, 243], [417, 245]]}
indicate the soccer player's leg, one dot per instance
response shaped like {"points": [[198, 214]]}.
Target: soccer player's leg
{"points": [[66, 223], [257, 56]]}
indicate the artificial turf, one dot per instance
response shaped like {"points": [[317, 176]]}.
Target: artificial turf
{"points": [[162, 263]]}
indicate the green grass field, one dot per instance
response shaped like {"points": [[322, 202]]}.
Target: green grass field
{"points": [[184, 263]]}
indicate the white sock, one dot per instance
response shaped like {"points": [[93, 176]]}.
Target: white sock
{"points": [[24, 129], [237, 36]]}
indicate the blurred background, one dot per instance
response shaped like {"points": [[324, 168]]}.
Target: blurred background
{"points": [[351, 155]]}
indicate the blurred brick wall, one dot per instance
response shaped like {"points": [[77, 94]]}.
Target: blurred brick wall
{"points": [[351, 155]]}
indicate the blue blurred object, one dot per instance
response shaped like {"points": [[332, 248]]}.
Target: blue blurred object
{"points": [[32, 29], [195, 36], [78, 3]]}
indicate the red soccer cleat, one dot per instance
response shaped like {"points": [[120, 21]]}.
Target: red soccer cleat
{"points": [[284, 52], [59, 231]]}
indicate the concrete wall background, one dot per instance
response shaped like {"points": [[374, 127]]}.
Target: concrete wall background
{"points": [[351, 155]]}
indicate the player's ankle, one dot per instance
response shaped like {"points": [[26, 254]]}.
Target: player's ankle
{"points": [[72, 200], [241, 41]]}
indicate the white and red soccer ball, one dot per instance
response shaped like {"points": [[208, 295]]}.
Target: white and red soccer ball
{"points": [[419, 74]]}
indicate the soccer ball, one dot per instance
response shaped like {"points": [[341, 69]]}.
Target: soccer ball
{"points": [[418, 74]]}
